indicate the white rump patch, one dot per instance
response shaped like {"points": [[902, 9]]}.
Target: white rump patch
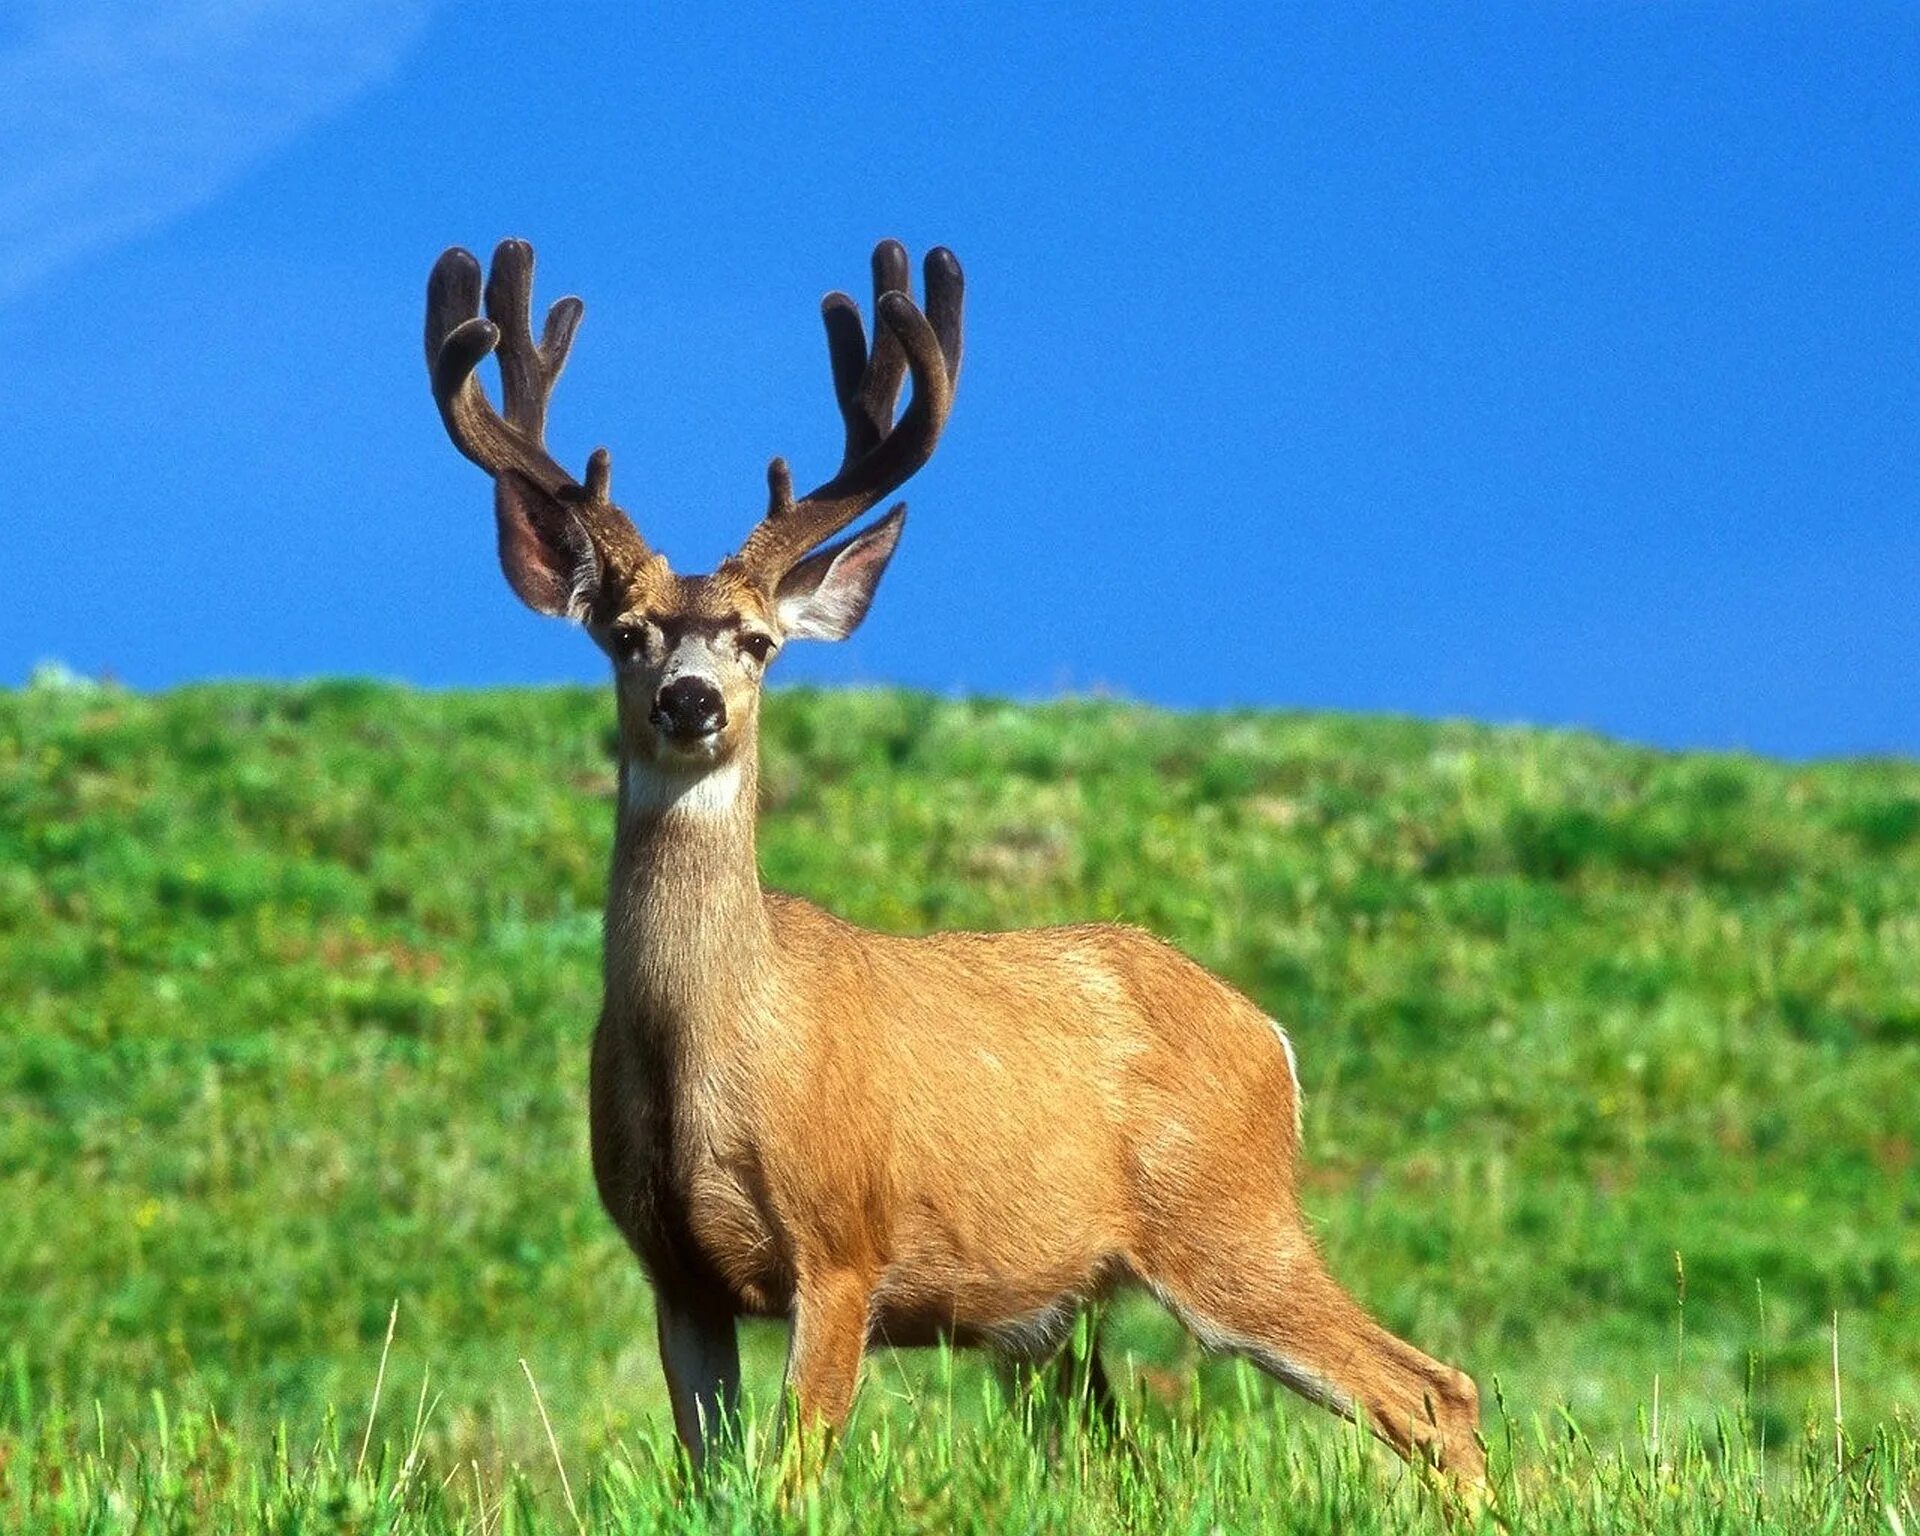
{"points": [[655, 791], [1299, 1093]]}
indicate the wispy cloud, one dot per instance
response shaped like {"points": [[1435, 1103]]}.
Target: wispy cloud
{"points": [[117, 115]]}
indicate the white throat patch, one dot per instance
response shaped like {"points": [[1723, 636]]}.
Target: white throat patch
{"points": [[698, 792]]}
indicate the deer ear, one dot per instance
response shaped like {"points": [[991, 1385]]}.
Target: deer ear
{"points": [[827, 594], [545, 551]]}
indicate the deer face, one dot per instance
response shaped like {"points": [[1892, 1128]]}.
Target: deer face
{"points": [[688, 661], [690, 652]]}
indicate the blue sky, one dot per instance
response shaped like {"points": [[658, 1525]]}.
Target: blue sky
{"points": [[1550, 363]]}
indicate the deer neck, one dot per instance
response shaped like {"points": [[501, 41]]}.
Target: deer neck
{"points": [[689, 942]]}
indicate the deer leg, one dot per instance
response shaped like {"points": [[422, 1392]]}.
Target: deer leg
{"points": [[829, 1338], [1068, 1382], [1291, 1318], [700, 1355], [1020, 1374]]}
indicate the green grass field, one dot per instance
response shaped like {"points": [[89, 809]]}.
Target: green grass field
{"points": [[1612, 1067]]}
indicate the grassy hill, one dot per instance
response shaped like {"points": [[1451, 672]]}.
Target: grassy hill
{"points": [[296, 985]]}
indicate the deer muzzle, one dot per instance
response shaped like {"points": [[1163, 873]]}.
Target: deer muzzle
{"points": [[688, 709]]}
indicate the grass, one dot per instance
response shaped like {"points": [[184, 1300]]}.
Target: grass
{"points": [[1609, 1055], [929, 1469]]}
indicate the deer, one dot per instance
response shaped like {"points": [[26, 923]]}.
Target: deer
{"points": [[885, 1139]]}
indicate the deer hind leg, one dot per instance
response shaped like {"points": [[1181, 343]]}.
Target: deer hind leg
{"points": [[1069, 1378], [1283, 1311], [1072, 1377]]}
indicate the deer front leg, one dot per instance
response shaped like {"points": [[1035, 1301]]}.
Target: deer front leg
{"points": [[823, 1361], [700, 1355]]}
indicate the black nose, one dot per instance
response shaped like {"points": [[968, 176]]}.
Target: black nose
{"points": [[689, 707]]}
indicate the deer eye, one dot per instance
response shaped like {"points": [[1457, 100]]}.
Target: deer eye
{"points": [[630, 641], [758, 646]]}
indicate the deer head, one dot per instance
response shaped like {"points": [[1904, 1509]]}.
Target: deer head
{"points": [[690, 652]]}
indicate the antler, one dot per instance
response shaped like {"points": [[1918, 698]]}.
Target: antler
{"points": [[458, 339], [880, 454]]}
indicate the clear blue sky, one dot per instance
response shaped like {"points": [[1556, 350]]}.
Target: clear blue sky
{"points": [[1548, 363]]}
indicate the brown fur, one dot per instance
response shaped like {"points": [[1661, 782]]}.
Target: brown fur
{"points": [[963, 1135]]}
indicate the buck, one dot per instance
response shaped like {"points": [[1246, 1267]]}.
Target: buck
{"points": [[885, 1139]]}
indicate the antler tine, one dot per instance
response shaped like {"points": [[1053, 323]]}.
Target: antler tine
{"points": [[528, 371], [887, 369], [867, 388], [880, 454], [946, 294], [453, 296], [458, 340]]}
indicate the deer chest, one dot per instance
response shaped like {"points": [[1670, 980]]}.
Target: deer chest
{"points": [[685, 1193]]}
